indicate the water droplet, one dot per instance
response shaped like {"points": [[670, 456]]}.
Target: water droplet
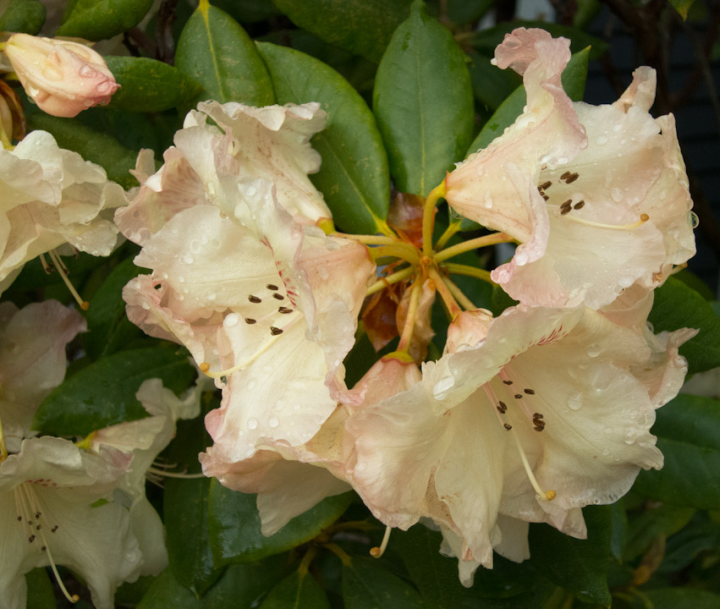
{"points": [[181, 279], [231, 320], [195, 246], [596, 501], [251, 191], [252, 423], [188, 259], [251, 385], [606, 452], [575, 401], [617, 127], [273, 423], [594, 350], [693, 219], [617, 194], [601, 140], [630, 437]]}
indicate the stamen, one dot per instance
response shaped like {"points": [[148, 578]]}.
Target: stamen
{"points": [[62, 270], [285, 310], [275, 331], [579, 205], [272, 287], [543, 495], [643, 218], [254, 299], [378, 552], [545, 185], [278, 296], [250, 320], [164, 474], [507, 426], [530, 391]]}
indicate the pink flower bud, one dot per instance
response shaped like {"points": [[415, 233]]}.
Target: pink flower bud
{"points": [[63, 78]]}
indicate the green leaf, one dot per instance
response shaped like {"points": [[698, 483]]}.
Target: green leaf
{"points": [[485, 41], [235, 525], [700, 535], [682, 7], [298, 591], [423, 102], [578, 565], [683, 598], [679, 306], [40, 590], [688, 431], [241, 586], [219, 54], [664, 520], [147, 85], [491, 85], [501, 300], [362, 27], [186, 512], [573, 79], [103, 393], [619, 519], [367, 585], [106, 330], [247, 11], [354, 175], [25, 16], [101, 19], [100, 148]]}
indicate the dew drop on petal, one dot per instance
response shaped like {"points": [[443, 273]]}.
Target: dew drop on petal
{"points": [[575, 401], [601, 140], [188, 259], [273, 423], [630, 437], [252, 423], [617, 194], [593, 350], [231, 320], [606, 452], [693, 219]]}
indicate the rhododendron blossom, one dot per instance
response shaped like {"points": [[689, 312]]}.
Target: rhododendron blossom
{"points": [[596, 195]]}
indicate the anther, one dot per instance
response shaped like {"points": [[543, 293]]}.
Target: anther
{"points": [[250, 320], [278, 296], [275, 331], [204, 367], [254, 299], [565, 210], [507, 426], [285, 310], [272, 287], [579, 205], [31, 538], [537, 415], [502, 407], [508, 382], [529, 391], [566, 175], [539, 425], [546, 185], [378, 552], [550, 495], [55, 528], [518, 396], [571, 178]]}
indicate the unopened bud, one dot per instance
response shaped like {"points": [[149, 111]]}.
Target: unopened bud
{"points": [[63, 78]]}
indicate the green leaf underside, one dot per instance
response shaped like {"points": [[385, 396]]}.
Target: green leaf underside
{"points": [[573, 78], [354, 175], [679, 306], [688, 431], [298, 591], [235, 526], [363, 27], [217, 52], [101, 19], [103, 393], [147, 85], [423, 103], [577, 565]]}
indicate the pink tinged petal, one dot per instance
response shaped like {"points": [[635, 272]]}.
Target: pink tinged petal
{"points": [[631, 308], [547, 133], [274, 144], [452, 546], [32, 357], [641, 92], [386, 378], [469, 329], [514, 539]]}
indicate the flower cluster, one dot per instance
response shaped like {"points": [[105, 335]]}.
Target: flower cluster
{"points": [[526, 417]]}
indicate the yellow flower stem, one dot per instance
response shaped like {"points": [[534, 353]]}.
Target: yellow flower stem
{"points": [[435, 195], [448, 234], [368, 239], [307, 559], [390, 280], [398, 250], [339, 552], [407, 332], [3, 448], [464, 301], [452, 306], [469, 271], [473, 244], [384, 228]]}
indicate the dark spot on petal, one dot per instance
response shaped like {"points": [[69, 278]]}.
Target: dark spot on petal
{"points": [[43, 548], [31, 538], [55, 528]]}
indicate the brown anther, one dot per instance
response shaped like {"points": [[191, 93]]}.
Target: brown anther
{"points": [[546, 185], [537, 415], [566, 175], [565, 210], [508, 382], [571, 178], [285, 310], [529, 391], [275, 331], [272, 287], [502, 407], [539, 426], [507, 426], [518, 396], [250, 320], [644, 217], [579, 205], [254, 299], [278, 296]]}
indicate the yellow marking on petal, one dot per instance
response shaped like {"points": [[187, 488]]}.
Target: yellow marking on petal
{"points": [[327, 225], [86, 442]]}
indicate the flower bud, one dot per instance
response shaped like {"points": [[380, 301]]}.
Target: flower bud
{"points": [[63, 78]]}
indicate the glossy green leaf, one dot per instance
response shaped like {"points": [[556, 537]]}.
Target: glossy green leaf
{"points": [[219, 54], [486, 41], [354, 175], [578, 565], [363, 27], [619, 535], [147, 85], [573, 78], [101, 19], [103, 393], [683, 598], [688, 431], [248, 11], [106, 315], [423, 103], [241, 586], [100, 148], [366, 584], [663, 520], [186, 511], [501, 300], [679, 306], [467, 11], [491, 85], [700, 535], [235, 525], [298, 591], [682, 7], [25, 16], [40, 590]]}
